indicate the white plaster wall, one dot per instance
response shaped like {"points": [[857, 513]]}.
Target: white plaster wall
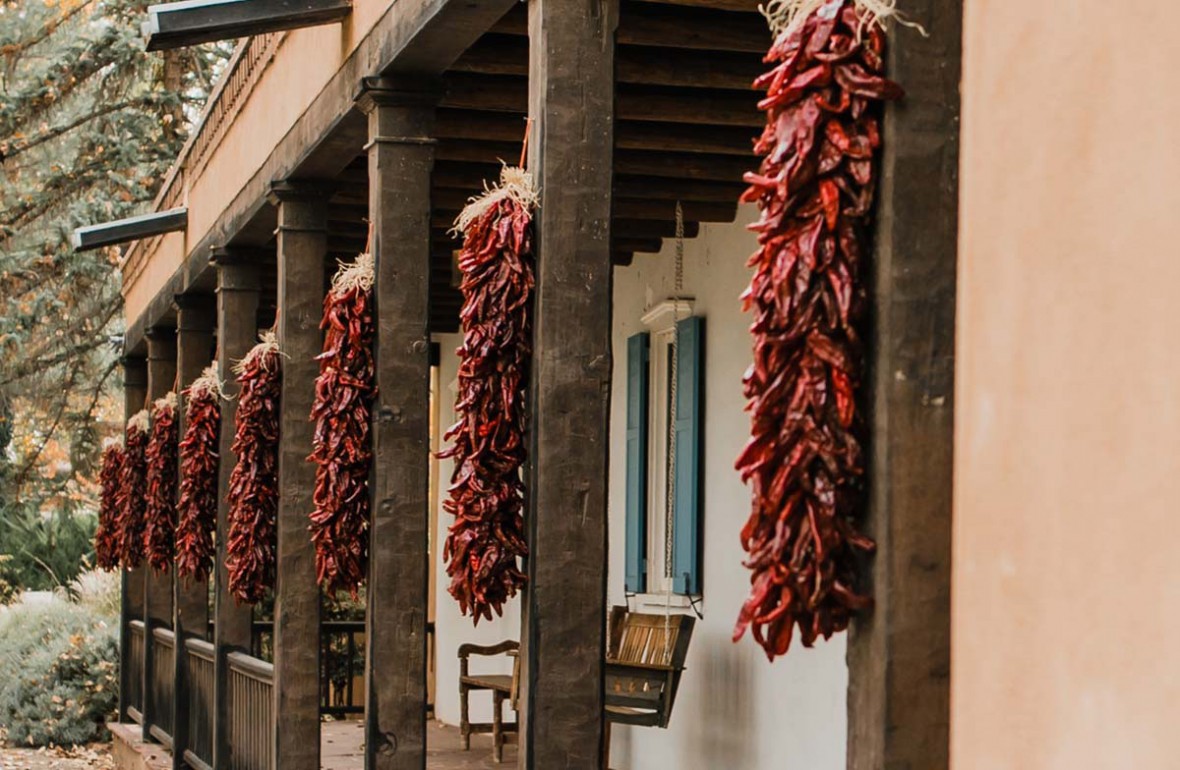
{"points": [[734, 711], [451, 628]]}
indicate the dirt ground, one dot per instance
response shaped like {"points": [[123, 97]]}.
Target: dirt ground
{"points": [[96, 757]]}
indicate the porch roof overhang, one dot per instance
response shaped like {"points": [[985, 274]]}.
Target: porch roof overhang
{"points": [[409, 38]]}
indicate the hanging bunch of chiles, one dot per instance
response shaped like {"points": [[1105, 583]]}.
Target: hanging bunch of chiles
{"points": [[254, 482], [486, 495], [197, 508], [342, 452], [107, 544], [815, 192], [160, 513], [131, 502]]}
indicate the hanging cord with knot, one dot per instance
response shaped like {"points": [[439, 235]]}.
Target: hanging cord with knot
{"points": [[670, 490]]}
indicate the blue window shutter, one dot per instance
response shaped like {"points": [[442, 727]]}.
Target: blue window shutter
{"points": [[636, 530], [686, 511]]}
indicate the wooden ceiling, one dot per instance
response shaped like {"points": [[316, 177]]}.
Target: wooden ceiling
{"points": [[685, 120]]}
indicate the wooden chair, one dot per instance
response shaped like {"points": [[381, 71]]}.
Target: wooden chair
{"points": [[504, 687]]}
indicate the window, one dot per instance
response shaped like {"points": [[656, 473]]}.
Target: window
{"points": [[656, 470]]}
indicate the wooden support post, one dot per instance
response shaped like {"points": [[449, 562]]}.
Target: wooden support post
{"points": [[195, 321], [899, 655], [401, 156], [302, 257], [157, 595], [134, 396], [237, 332], [571, 100]]}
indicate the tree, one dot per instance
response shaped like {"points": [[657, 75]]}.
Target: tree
{"points": [[89, 125]]}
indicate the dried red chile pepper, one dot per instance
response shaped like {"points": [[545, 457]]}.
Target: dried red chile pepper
{"points": [[815, 192], [197, 507], [344, 392], [132, 503], [160, 512], [254, 482], [107, 545], [486, 495]]}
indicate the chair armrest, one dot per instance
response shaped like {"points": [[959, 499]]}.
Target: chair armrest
{"points": [[508, 645]]}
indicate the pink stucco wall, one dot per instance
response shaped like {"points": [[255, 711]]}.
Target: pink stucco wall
{"points": [[1067, 467]]}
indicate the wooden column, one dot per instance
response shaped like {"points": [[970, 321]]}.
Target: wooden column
{"points": [[571, 100], [302, 258], [899, 655], [134, 396], [195, 321], [401, 157], [237, 332], [161, 378]]}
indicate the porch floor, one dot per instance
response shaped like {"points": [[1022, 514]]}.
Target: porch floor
{"points": [[340, 748]]}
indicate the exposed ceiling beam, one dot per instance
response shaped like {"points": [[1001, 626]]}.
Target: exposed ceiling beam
{"points": [[130, 229], [189, 22]]}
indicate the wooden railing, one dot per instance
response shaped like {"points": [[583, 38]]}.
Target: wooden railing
{"points": [[251, 708], [135, 694], [162, 680], [199, 673], [342, 665]]}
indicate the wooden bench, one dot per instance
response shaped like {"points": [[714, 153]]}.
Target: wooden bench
{"points": [[645, 657], [504, 687]]}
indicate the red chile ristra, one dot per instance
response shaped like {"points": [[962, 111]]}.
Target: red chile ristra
{"points": [[107, 545], [254, 482], [160, 514], [815, 191], [341, 450], [131, 502], [197, 508], [486, 495]]}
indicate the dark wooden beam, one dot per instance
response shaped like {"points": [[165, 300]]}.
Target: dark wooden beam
{"points": [[508, 55], [571, 98], [899, 656], [302, 262], [505, 93], [192, 22], [237, 332], [634, 244], [196, 318], [157, 595], [741, 6], [400, 160], [725, 168], [687, 28], [506, 127], [130, 229], [688, 137], [131, 599]]}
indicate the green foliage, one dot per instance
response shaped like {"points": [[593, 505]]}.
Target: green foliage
{"points": [[58, 673], [46, 551], [8, 581], [89, 125]]}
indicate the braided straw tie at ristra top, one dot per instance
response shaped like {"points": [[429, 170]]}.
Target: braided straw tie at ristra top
{"points": [[139, 421], [357, 274], [209, 383], [268, 344], [167, 401], [515, 184], [786, 16]]}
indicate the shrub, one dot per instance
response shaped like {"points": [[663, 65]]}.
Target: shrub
{"points": [[58, 672]]}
